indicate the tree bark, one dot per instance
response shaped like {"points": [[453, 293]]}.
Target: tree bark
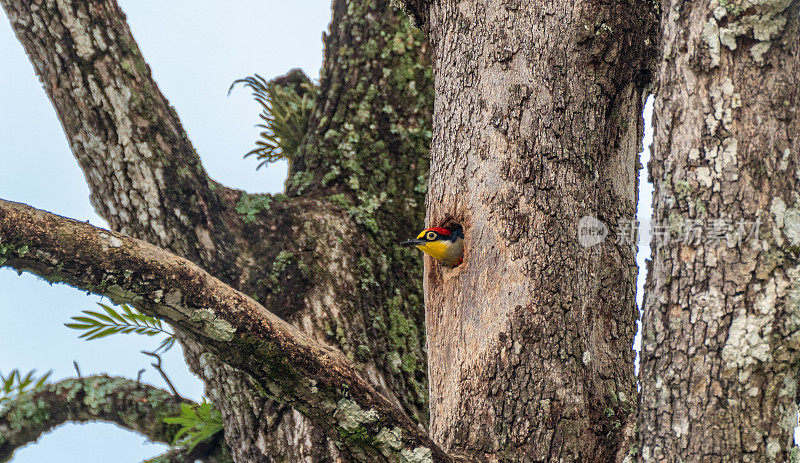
{"points": [[137, 407], [721, 327], [274, 357], [324, 256], [537, 124]]}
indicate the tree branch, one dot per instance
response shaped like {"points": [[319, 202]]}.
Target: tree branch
{"points": [[145, 177], [213, 451], [129, 404], [290, 366], [364, 165]]}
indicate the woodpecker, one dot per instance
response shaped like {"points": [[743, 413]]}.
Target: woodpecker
{"points": [[443, 244]]}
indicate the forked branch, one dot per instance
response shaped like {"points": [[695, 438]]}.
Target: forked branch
{"points": [[290, 366]]}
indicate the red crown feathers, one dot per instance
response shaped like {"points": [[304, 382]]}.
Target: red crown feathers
{"points": [[439, 230]]}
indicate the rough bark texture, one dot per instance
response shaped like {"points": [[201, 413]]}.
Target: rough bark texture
{"points": [[273, 356], [323, 256], [721, 328], [537, 123], [129, 404]]}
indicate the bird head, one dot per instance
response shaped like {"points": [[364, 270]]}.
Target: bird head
{"points": [[446, 245]]}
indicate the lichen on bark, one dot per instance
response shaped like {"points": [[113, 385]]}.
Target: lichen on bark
{"points": [[537, 125], [721, 309], [355, 189], [132, 405]]}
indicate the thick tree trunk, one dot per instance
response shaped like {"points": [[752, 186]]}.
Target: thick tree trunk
{"points": [[324, 257], [537, 124], [721, 328], [537, 128]]}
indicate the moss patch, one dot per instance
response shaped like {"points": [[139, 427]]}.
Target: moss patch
{"points": [[250, 205]]}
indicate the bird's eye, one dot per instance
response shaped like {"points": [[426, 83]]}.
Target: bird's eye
{"points": [[430, 236]]}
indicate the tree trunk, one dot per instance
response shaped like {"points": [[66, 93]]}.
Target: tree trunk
{"points": [[325, 256], [537, 124], [721, 328]]}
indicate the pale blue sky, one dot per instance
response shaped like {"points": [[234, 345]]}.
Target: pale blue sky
{"points": [[195, 49], [195, 53]]}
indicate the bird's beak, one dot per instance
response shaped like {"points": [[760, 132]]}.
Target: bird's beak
{"points": [[414, 242]]}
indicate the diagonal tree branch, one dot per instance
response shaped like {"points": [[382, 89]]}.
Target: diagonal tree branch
{"points": [[363, 168], [145, 177], [129, 404], [290, 366]]}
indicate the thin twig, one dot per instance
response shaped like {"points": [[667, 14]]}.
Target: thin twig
{"points": [[157, 366], [139, 377], [78, 370]]}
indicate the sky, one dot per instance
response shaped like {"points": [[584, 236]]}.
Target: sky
{"points": [[195, 53]]}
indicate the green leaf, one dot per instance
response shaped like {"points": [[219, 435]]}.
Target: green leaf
{"points": [[43, 380], [113, 313], [8, 382], [101, 333], [166, 344], [198, 423], [126, 320], [15, 383], [26, 381], [286, 107], [89, 321], [100, 316], [77, 326]]}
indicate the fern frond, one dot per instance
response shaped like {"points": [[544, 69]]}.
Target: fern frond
{"points": [[286, 106], [166, 344], [198, 423], [15, 384], [127, 320]]}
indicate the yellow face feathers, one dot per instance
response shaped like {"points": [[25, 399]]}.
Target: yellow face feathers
{"points": [[443, 244], [435, 249]]}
